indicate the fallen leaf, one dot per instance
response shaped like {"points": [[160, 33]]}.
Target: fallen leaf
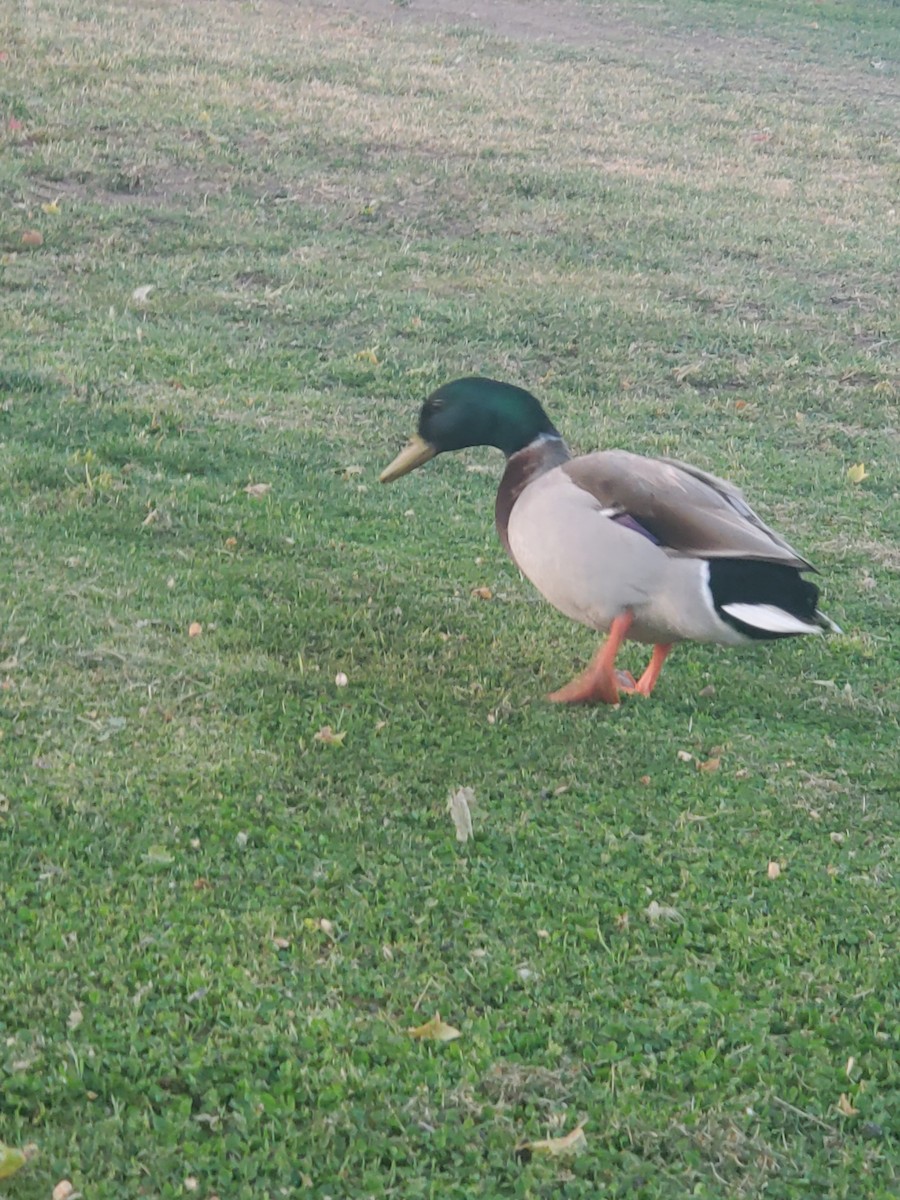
{"points": [[230, 543], [52, 208], [281, 943], [459, 808], [682, 373], [257, 490], [846, 1107], [12, 1159], [326, 926], [63, 1190], [684, 756], [33, 238], [482, 593], [857, 473], [435, 1030], [773, 870], [562, 1147], [159, 856], [368, 356], [140, 295], [662, 912], [711, 764], [328, 737], [195, 629]]}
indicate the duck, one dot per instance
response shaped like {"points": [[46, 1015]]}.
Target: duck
{"points": [[644, 549]]}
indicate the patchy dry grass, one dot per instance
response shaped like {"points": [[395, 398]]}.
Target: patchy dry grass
{"points": [[678, 226]]}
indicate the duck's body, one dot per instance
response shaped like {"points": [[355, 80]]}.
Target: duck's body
{"points": [[644, 548]]}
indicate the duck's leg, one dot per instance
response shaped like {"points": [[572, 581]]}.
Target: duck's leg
{"points": [[601, 682], [647, 681]]}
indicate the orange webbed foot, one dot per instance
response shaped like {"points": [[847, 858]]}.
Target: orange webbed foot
{"points": [[601, 683], [595, 688]]}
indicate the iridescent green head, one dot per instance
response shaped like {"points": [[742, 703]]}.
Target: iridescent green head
{"points": [[472, 412]]}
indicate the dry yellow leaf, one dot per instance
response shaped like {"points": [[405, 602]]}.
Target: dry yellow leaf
{"points": [[459, 807], [562, 1147], [327, 736], [857, 473], [711, 764], [846, 1107], [52, 208], [11, 1160], [482, 593], [195, 629], [662, 912], [435, 1030], [368, 356], [683, 373]]}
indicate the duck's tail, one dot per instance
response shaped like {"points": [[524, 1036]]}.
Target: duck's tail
{"points": [[766, 600]]}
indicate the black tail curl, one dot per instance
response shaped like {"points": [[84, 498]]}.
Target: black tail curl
{"points": [[743, 581]]}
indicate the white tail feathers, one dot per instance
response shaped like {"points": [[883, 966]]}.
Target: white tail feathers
{"points": [[773, 619]]}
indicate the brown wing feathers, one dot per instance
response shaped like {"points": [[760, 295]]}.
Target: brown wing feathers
{"points": [[687, 510]]}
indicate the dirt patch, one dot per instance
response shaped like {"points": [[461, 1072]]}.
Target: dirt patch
{"points": [[155, 189]]}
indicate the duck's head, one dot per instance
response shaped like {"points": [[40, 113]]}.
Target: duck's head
{"points": [[472, 412]]}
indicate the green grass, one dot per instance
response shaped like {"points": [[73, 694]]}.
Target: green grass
{"points": [[218, 929]]}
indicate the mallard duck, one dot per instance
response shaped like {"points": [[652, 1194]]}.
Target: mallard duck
{"points": [[647, 549]]}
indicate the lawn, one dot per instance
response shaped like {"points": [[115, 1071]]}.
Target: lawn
{"points": [[239, 244]]}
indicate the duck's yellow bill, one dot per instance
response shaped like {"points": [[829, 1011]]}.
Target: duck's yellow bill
{"points": [[417, 452]]}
